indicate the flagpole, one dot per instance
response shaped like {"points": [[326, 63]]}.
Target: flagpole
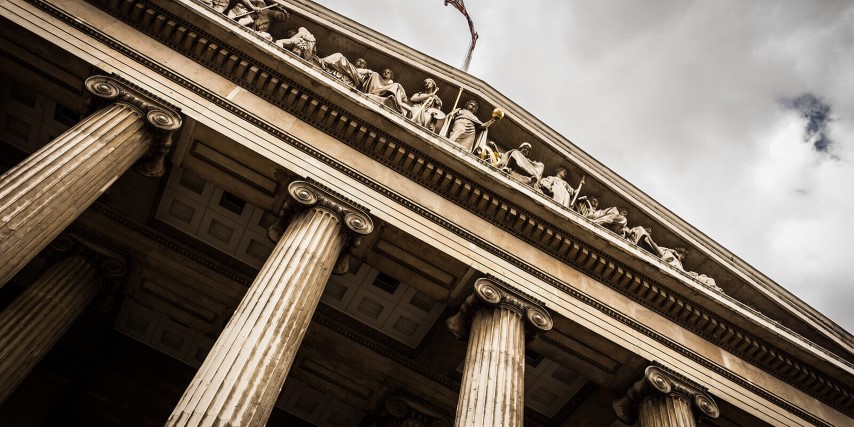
{"points": [[459, 5]]}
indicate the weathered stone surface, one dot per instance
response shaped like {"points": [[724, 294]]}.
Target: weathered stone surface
{"points": [[31, 325], [494, 374], [47, 191], [243, 374]]}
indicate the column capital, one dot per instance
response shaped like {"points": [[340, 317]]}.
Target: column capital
{"points": [[354, 217], [490, 292], [160, 116], [402, 408], [110, 263], [157, 113], [303, 194], [658, 380]]}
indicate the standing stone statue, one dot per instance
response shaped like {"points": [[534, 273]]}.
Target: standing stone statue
{"points": [[559, 190], [425, 106], [516, 163], [464, 125], [383, 89]]}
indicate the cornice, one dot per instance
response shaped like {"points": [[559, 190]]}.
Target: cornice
{"points": [[641, 289]]}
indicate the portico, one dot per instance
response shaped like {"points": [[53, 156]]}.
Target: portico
{"points": [[564, 320]]}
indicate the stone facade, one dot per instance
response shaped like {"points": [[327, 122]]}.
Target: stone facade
{"points": [[275, 148]]}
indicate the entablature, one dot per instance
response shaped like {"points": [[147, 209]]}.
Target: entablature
{"points": [[337, 34]]}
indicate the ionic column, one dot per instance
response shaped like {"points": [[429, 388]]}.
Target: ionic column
{"points": [[36, 319], [662, 399], [494, 319], [243, 374], [43, 194]]}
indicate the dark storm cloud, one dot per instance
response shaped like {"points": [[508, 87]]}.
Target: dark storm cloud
{"points": [[817, 114]]}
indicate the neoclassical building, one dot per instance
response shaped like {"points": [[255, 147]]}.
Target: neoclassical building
{"points": [[245, 220]]}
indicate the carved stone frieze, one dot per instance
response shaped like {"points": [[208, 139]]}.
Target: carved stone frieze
{"points": [[490, 292], [658, 381]]}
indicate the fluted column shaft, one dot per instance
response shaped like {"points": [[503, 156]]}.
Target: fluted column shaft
{"points": [[241, 378], [43, 194], [32, 324], [494, 319], [494, 374], [665, 411]]}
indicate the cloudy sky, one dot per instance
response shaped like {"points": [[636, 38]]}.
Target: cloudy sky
{"points": [[737, 116]]}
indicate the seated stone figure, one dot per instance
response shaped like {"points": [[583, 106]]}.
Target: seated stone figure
{"points": [[559, 190], [464, 125], [516, 163], [218, 5], [611, 217], [302, 43], [425, 106], [383, 89]]}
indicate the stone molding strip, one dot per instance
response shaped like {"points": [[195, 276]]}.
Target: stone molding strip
{"points": [[333, 123]]}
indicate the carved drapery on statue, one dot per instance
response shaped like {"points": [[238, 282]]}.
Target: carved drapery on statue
{"points": [[426, 106], [382, 88], [520, 167], [462, 126]]}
